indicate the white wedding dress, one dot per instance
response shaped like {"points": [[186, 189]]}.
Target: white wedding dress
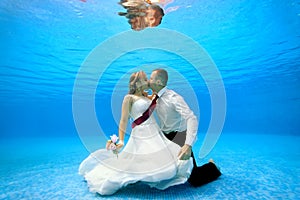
{"points": [[148, 157]]}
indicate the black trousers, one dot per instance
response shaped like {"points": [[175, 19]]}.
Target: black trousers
{"points": [[202, 174]]}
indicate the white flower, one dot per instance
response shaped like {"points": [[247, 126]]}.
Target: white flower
{"points": [[114, 138]]}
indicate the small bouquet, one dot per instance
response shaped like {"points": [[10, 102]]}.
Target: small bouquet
{"points": [[112, 144]]}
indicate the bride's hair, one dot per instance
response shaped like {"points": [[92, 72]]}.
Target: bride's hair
{"points": [[134, 78]]}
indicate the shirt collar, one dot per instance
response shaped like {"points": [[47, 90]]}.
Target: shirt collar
{"points": [[162, 91]]}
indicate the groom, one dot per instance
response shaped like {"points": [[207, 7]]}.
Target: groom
{"points": [[179, 124]]}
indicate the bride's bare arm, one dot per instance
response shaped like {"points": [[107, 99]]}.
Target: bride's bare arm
{"points": [[126, 106]]}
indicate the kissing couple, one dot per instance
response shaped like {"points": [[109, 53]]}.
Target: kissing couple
{"points": [[157, 154]]}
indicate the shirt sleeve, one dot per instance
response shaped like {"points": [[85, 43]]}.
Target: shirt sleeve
{"points": [[191, 120]]}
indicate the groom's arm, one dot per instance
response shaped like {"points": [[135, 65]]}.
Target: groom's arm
{"points": [[191, 130], [191, 120]]}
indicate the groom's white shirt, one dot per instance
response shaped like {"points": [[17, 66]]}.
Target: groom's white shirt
{"points": [[175, 115]]}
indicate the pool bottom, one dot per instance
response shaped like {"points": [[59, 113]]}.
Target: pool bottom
{"points": [[253, 167]]}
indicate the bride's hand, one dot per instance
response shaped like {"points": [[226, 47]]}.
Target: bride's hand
{"points": [[119, 146], [108, 144]]}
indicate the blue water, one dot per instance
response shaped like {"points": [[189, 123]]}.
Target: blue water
{"points": [[255, 46]]}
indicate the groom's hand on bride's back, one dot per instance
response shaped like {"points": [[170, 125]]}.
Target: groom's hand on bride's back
{"points": [[185, 152]]}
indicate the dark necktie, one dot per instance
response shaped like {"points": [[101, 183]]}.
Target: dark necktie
{"points": [[146, 114]]}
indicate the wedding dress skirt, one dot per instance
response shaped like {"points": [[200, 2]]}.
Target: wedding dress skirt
{"points": [[148, 157]]}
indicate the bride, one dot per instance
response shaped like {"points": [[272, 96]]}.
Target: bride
{"points": [[148, 156]]}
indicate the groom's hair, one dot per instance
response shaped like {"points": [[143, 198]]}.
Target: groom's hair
{"points": [[162, 75]]}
